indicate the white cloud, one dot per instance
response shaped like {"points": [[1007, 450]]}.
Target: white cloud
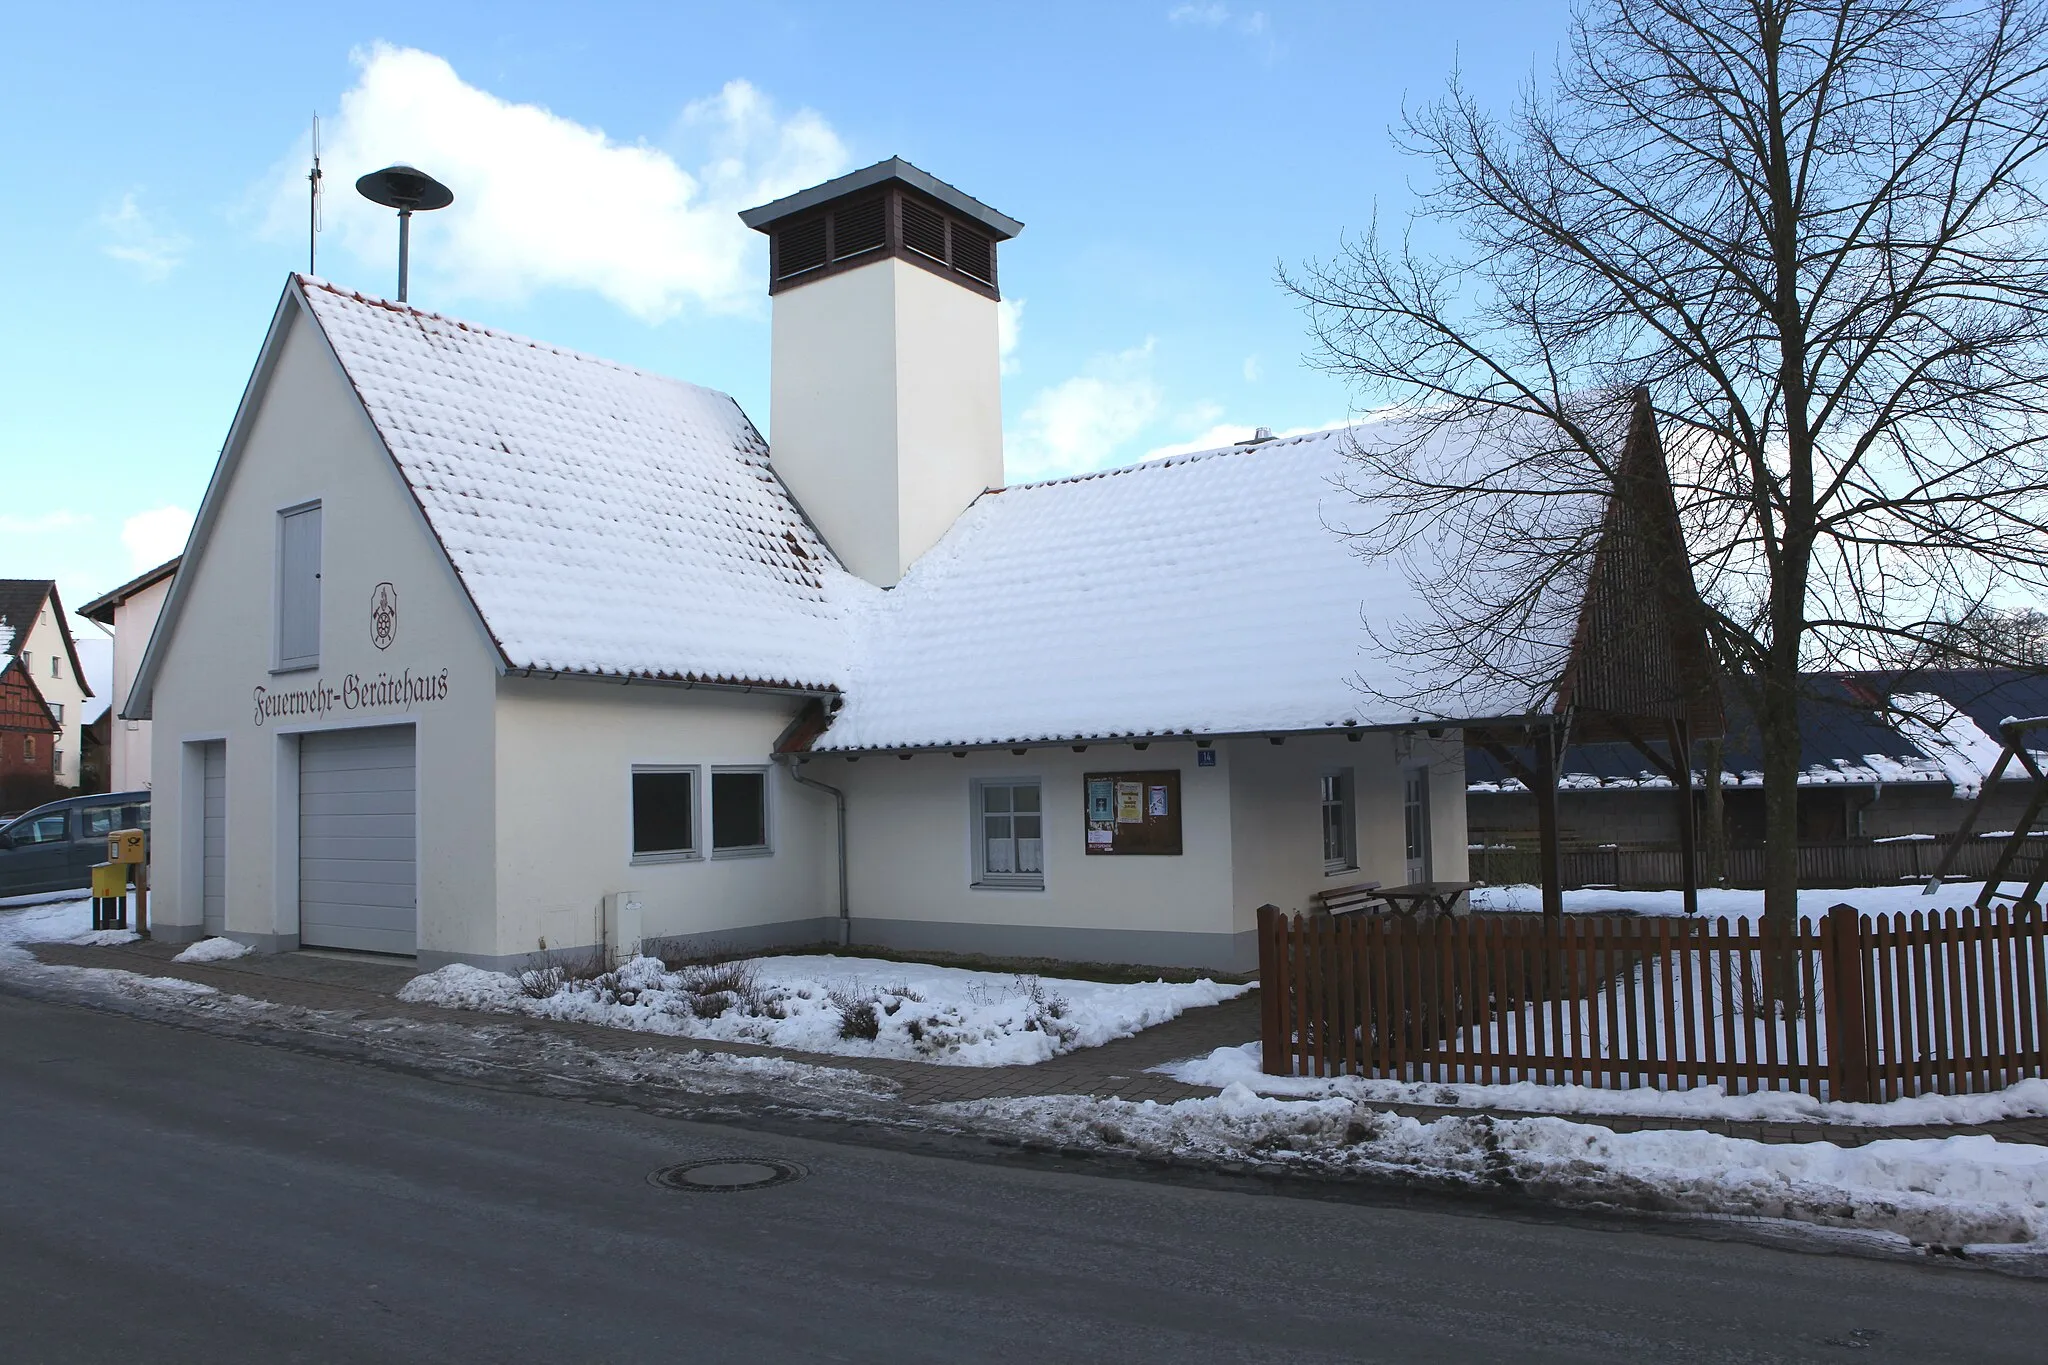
{"points": [[135, 238], [1009, 319], [1220, 17], [544, 202], [154, 536], [1253, 371], [60, 519], [1081, 423], [1206, 16]]}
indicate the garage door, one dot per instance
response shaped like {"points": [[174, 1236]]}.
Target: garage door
{"points": [[356, 807], [213, 864]]}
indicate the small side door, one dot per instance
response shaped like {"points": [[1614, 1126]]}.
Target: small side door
{"points": [[39, 855]]}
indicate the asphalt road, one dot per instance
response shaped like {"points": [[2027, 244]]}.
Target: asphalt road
{"points": [[169, 1196]]}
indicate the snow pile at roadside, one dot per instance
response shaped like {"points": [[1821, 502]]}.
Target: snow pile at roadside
{"points": [[104, 938], [1240, 1066], [860, 1007], [1719, 902], [1950, 1192], [212, 950]]}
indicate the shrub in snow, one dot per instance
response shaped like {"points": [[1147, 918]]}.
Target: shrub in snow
{"points": [[830, 1004]]}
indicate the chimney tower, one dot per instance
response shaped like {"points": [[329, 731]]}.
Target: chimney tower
{"points": [[885, 395]]}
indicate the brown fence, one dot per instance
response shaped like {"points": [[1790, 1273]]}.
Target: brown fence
{"points": [[1656, 866], [1850, 1008]]}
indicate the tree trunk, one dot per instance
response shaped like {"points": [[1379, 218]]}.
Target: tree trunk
{"points": [[1713, 817], [1779, 722]]}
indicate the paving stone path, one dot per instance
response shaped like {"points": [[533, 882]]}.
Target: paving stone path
{"points": [[367, 987]]}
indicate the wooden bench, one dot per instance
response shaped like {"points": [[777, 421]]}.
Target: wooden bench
{"points": [[1342, 900]]}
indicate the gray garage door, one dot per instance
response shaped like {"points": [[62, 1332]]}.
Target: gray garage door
{"points": [[356, 807], [213, 864]]}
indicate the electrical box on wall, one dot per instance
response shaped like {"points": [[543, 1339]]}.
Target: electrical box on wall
{"points": [[622, 923], [1134, 812]]}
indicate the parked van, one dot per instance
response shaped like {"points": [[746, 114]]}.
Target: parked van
{"points": [[54, 847]]}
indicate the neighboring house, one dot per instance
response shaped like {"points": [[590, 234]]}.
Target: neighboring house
{"points": [[1882, 756], [28, 738], [32, 617], [130, 612], [481, 646]]}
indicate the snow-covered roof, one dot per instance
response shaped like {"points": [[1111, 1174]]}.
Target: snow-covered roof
{"points": [[1203, 594], [603, 519]]}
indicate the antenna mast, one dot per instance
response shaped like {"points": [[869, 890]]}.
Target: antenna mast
{"points": [[313, 209]]}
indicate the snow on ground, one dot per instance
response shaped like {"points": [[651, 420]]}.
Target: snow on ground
{"points": [[1961, 1191], [860, 1007], [1719, 902], [1240, 1066], [38, 920], [212, 950]]}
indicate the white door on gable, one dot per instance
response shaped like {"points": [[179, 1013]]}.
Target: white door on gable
{"points": [[213, 861], [1415, 809], [358, 883]]}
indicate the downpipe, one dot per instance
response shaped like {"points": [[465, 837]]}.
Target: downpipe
{"points": [[796, 772]]}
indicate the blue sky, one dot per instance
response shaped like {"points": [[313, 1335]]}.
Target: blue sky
{"points": [[1165, 157]]}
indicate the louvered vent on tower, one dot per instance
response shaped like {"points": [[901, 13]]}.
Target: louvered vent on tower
{"points": [[799, 247], [974, 254], [859, 227], [924, 230]]}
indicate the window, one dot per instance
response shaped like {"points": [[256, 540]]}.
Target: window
{"points": [[664, 813], [1009, 843], [28, 746], [57, 711], [739, 811], [298, 587], [1339, 853], [44, 829], [1415, 813], [56, 666], [97, 822]]}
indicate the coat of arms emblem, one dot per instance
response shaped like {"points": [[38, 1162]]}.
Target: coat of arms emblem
{"points": [[384, 615]]}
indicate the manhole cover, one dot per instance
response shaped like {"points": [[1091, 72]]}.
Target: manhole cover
{"points": [[724, 1175]]}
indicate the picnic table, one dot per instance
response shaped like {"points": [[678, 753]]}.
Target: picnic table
{"points": [[1439, 898]]}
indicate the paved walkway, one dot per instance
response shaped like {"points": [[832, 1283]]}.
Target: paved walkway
{"points": [[1119, 1070]]}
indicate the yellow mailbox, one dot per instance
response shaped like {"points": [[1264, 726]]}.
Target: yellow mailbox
{"points": [[126, 846], [109, 880]]}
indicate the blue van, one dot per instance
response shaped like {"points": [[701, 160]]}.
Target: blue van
{"points": [[54, 847]]}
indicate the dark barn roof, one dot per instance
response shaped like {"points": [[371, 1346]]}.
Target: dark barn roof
{"points": [[1847, 733]]}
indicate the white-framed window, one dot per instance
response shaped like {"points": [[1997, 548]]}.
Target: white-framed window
{"points": [[1340, 851], [664, 813], [298, 587], [57, 711], [1009, 834], [739, 812], [56, 665], [1415, 822]]}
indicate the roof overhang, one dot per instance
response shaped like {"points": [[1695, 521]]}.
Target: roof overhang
{"points": [[881, 173], [1203, 738], [101, 608]]}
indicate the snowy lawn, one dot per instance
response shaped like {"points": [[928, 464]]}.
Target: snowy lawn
{"points": [[45, 920], [1240, 1066], [1717, 902], [852, 1006], [1951, 1192]]}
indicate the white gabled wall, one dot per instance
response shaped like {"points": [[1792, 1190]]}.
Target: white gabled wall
{"points": [[61, 687], [885, 411], [134, 619], [309, 439]]}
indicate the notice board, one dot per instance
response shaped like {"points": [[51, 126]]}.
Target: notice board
{"points": [[1133, 812]]}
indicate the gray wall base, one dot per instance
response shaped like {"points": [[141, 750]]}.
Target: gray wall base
{"points": [[176, 933], [744, 938], [1141, 947], [264, 943]]}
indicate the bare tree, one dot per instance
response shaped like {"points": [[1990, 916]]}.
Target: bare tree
{"points": [[1813, 229]]}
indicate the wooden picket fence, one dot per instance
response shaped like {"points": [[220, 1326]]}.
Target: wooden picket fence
{"points": [[1850, 1008]]}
